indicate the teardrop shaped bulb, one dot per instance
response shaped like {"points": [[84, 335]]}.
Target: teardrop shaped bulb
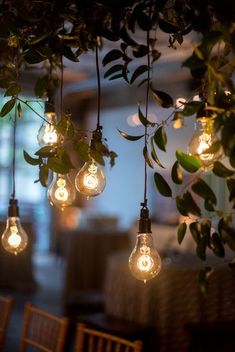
{"points": [[91, 179], [203, 138], [14, 238], [144, 262], [61, 191], [47, 134]]}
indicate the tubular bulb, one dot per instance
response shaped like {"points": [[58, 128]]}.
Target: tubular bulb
{"points": [[91, 179], [202, 140], [14, 238], [61, 192], [47, 134]]}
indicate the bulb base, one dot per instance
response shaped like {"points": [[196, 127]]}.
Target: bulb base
{"points": [[49, 106], [13, 209], [144, 221]]}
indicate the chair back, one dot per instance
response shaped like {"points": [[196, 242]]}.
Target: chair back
{"points": [[5, 311], [42, 330], [91, 340]]}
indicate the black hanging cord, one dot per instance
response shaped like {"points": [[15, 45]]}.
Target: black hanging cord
{"points": [[14, 155], [61, 85], [144, 204], [99, 127]]}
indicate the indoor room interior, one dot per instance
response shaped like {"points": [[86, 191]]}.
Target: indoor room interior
{"points": [[75, 264]]}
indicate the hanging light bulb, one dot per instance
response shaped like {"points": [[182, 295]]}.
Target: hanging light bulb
{"points": [[14, 238], [91, 179], [144, 262], [47, 134], [202, 140], [61, 191]]}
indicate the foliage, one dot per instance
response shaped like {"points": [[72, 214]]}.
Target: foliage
{"points": [[41, 32]]}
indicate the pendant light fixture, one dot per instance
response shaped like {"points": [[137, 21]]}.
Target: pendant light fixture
{"points": [[14, 239], [203, 138], [61, 191], [90, 180], [145, 262], [47, 134]]}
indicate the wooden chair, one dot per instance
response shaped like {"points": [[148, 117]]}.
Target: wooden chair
{"points": [[42, 330], [91, 340], [5, 311]]}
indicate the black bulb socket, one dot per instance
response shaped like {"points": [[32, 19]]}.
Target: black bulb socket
{"points": [[49, 106], [144, 221], [13, 209]]}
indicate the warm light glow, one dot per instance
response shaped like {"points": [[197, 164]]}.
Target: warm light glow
{"points": [[50, 136], [205, 141], [203, 138], [144, 262], [14, 239], [61, 192], [91, 179]]}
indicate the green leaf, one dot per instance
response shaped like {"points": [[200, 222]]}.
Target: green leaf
{"points": [[140, 51], [147, 158], [7, 107], [41, 86], [32, 56], [217, 245], [68, 53], [204, 275], [13, 90], [206, 231], [195, 229], [30, 160], [231, 187], [162, 186], [201, 249], [227, 235], [43, 175], [181, 232], [46, 151], [201, 188], [57, 165], [191, 108], [82, 149], [154, 154], [162, 98], [143, 119], [160, 138], [186, 205], [113, 69], [177, 174], [19, 110], [190, 163], [139, 71], [220, 170], [214, 148], [112, 56], [129, 137], [97, 156], [66, 127]]}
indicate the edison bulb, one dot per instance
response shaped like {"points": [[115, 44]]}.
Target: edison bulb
{"points": [[144, 262], [61, 191], [14, 238], [202, 140], [47, 134], [91, 179]]}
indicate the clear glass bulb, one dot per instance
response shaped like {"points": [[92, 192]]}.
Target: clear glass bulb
{"points": [[203, 139], [61, 191], [91, 179], [47, 134], [14, 238], [144, 262]]}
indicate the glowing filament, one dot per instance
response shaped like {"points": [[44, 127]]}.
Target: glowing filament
{"points": [[14, 239], [61, 193], [205, 142], [90, 179], [145, 263], [50, 135]]}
